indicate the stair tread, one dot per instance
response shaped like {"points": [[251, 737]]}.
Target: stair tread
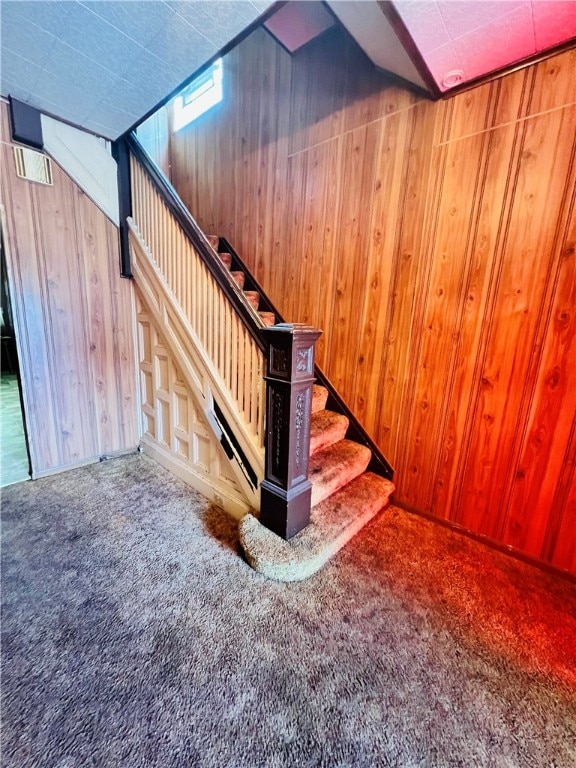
{"points": [[253, 298], [334, 467], [319, 398], [239, 277], [326, 428], [268, 318], [226, 259], [333, 523]]}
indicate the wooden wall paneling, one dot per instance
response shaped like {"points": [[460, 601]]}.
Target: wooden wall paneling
{"points": [[74, 321], [553, 84], [530, 510], [407, 288], [356, 175], [296, 188], [319, 74], [384, 232], [560, 544], [29, 309], [318, 205], [123, 320], [273, 166], [92, 230], [538, 194], [367, 246], [59, 259], [477, 299], [449, 263]]}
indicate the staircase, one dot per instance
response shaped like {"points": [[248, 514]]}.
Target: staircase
{"points": [[213, 316], [252, 297], [345, 497]]}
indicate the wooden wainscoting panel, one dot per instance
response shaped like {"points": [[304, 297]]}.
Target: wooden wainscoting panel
{"points": [[560, 545], [393, 387], [551, 407], [29, 310], [74, 318], [485, 234], [528, 260], [175, 432]]}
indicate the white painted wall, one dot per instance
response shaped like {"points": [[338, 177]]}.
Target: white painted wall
{"points": [[87, 159]]}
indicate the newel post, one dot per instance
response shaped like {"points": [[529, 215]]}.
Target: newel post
{"points": [[286, 490]]}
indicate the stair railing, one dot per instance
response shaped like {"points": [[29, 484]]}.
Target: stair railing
{"points": [[268, 437]]}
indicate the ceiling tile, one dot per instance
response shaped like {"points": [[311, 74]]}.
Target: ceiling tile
{"points": [[483, 50], [22, 36], [425, 23], [19, 70], [554, 22], [462, 16], [48, 14], [154, 73], [8, 88], [219, 21], [261, 5], [443, 60], [139, 19], [107, 114], [64, 60], [136, 99], [179, 45], [98, 40], [58, 90], [107, 131]]}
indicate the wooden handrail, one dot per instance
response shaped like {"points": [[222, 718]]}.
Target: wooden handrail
{"points": [[198, 240]]}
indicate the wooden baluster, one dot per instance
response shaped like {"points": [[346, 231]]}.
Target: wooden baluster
{"points": [[286, 490]]}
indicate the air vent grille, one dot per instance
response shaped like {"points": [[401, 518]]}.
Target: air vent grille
{"points": [[33, 166]]}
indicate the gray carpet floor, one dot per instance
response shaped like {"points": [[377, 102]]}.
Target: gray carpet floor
{"points": [[134, 634]]}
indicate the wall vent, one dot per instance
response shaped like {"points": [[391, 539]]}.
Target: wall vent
{"points": [[32, 165]]}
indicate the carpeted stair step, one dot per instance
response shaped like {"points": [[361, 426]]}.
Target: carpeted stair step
{"points": [[214, 241], [319, 398], [334, 467], [239, 278], [326, 428], [268, 318], [226, 259], [253, 298], [332, 524]]}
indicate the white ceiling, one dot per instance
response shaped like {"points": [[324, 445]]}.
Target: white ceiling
{"points": [[103, 64]]}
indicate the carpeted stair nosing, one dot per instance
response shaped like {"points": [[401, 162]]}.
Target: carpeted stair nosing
{"points": [[332, 524], [335, 466]]}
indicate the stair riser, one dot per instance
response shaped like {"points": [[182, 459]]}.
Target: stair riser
{"points": [[335, 467], [326, 428]]}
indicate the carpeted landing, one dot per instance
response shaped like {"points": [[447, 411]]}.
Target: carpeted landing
{"points": [[134, 634]]}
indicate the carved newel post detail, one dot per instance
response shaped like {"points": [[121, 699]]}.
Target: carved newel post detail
{"points": [[286, 490]]}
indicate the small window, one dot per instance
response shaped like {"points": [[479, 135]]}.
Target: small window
{"points": [[198, 97]]}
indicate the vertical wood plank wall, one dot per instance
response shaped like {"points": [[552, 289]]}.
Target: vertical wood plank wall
{"points": [[75, 320], [434, 243]]}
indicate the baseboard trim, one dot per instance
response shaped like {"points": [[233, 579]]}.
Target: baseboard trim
{"points": [[84, 463], [218, 493], [481, 539]]}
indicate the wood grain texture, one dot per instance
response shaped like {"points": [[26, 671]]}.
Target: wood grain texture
{"points": [[434, 245], [74, 317]]}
